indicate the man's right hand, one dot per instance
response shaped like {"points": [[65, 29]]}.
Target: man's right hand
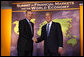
{"points": [[34, 40]]}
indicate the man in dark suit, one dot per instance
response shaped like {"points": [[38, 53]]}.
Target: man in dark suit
{"points": [[26, 31], [52, 35]]}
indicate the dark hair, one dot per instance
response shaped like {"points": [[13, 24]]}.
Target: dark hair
{"points": [[27, 11]]}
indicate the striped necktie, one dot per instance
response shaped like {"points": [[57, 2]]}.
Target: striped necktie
{"points": [[48, 30]]}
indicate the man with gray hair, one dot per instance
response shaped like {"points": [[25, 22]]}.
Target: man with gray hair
{"points": [[51, 33]]}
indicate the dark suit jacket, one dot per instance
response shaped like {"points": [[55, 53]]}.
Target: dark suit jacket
{"points": [[25, 36], [55, 38]]}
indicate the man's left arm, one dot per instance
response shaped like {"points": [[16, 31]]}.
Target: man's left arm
{"points": [[60, 37]]}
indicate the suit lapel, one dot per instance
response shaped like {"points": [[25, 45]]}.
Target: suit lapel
{"points": [[28, 25], [32, 27], [45, 29]]}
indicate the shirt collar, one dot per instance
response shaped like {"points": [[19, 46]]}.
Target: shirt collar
{"points": [[27, 20], [49, 23]]}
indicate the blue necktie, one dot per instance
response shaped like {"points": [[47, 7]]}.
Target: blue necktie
{"points": [[48, 30]]}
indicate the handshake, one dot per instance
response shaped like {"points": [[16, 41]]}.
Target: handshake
{"points": [[34, 40]]}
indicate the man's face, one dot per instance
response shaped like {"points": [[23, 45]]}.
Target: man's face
{"points": [[48, 17], [29, 15]]}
